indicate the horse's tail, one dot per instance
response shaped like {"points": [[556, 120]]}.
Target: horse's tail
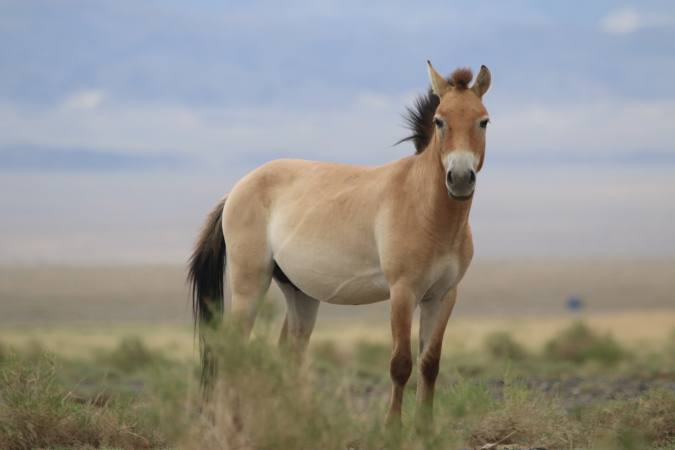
{"points": [[206, 278]]}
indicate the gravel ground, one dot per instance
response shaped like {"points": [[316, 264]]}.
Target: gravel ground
{"points": [[571, 391], [576, 390]]}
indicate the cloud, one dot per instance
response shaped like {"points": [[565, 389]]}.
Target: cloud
{"points": [[86, 100], [355, 132], [360, 132], [604, 129], [627, 20], [128, 127]]}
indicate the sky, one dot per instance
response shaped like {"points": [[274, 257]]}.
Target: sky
{"points": [[123, 122]]}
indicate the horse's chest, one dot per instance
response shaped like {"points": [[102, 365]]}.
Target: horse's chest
{"points": [[428, 269], [443, 274]]}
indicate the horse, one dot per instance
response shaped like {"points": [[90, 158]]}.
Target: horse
{"points": [[353, 235]]}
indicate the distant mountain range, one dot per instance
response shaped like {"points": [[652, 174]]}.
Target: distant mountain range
{"points": [[50, 159]]}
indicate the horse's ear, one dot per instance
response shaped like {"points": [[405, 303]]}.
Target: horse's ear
{"points": [[438, 83], [482, 84]]}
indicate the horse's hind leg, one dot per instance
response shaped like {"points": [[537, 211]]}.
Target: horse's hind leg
{"points": [[250, 264], [283, 336], [249, 282], [301, 312]]}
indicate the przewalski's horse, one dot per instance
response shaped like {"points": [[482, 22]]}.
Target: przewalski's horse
{"points": [[353, 235]]}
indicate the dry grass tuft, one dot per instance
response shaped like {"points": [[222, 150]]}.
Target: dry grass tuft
{"points": [[524, 417], [264, 400], [34, 413], [650, 420]]}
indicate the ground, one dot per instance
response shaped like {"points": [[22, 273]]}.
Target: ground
{"points": [[113, 325]]}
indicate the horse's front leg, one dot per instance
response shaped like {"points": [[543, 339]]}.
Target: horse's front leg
{"points": [[403, 303], [434, 315]]}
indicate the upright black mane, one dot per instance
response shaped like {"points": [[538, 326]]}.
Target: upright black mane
{"points": [[420, 118]]}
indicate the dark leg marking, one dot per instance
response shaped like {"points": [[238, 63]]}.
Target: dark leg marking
{"points": [[400, 369], [430, 364]]}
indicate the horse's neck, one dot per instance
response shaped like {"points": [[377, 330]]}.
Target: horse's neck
{"points": [[427, 186]]}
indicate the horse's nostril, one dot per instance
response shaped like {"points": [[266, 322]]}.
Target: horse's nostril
{"points": [[472, 177], [449, 177]]}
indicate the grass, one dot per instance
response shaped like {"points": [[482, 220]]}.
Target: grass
{"points": [[262, 400], [467, 412], [35, 412], [133, 395]]}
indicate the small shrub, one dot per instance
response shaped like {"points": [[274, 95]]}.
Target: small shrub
{"points": [[579, 344], [502, 347], [606, 351], [130, 356]]}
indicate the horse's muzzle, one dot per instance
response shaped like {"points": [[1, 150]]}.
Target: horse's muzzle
{"points": [[461, 184], [460, 199]]}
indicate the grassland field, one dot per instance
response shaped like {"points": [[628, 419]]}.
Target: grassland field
{"points": [[511, 346]]}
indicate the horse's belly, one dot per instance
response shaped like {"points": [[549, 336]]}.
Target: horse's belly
{"points": [[356, 291], [335, 278]]}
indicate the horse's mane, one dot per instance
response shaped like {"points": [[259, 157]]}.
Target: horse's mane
{"points": [[420, 118]]}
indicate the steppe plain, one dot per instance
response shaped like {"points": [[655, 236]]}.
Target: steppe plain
{"points": [[634, 300], [124, 332]]}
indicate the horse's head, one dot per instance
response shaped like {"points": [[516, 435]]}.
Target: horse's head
{"points": [[460, 121]]}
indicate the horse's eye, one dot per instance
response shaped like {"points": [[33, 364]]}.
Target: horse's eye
{"points": [[438, 122], [483, 123]]}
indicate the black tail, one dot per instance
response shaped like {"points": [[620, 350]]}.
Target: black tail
{"points": [[205, 275]]}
